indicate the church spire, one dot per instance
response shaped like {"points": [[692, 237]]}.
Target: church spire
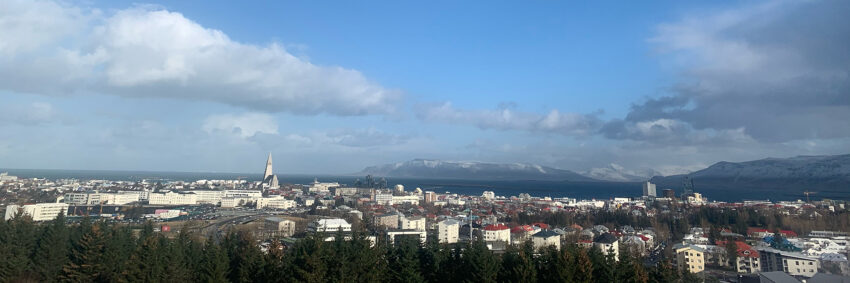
{"points": [[268, 171]]}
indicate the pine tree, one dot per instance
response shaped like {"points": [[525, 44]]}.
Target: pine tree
{"points": [[404, 264], [18, 261], [51, 252], [603, 265], [214, 266], [584, 267], [86, 263], [517, 266], [479, 263]]}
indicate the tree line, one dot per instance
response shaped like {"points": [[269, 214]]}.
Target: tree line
{"points": [[98, 251]]}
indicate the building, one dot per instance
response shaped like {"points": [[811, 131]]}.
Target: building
{"points": [[278, 227], [392, 234], [275, 203], [668, 193], [389, 221], [497, 233], [383, 199], [608, 244], [411, 199], [173, 198], [546, 238], [430, 197], [412, 223], [690, 258], [448, 231], [345, 191], [792, 263], [95, 198], [488, 195], [748, 258], [38, 211], [649, 189], [329, 225], [269, 178]]}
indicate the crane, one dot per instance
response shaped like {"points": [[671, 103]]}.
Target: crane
{"points": [[807, 193]]}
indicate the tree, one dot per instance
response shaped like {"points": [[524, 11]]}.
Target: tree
{"points": [[732, 253], [214, 266], [518, 264], [51, 252], [479, 264], [86, 263], [584, 267], [404, 264]]}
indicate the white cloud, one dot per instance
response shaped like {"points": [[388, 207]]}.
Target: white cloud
{"points": [[144, 51], [244, 125], [507, 118]]}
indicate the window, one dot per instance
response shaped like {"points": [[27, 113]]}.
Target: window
{"points": [[810, 263]]}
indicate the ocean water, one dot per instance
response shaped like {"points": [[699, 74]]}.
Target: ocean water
{"points": [[579, 190]]}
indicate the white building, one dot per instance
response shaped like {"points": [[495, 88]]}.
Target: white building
{"points": [[412, 223], [95, 198], [795, 264], [649, 190], [329, 225], [608, 243], [38, 212], [412, 199], [319, 187], [172, 198], [498, 232], [448, 231], [546, 238], [275, 203], [384, 199], [488, 195]]}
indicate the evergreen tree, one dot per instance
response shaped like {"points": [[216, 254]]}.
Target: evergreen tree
{"points": [[214, 264], [404, 264], [17, 259], [146, 262], [51, 252], [479, 264], [86, 264], [584, 267], [517, 266]]}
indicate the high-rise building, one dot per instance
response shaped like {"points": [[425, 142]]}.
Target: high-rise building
{"points": [[649, 189]]}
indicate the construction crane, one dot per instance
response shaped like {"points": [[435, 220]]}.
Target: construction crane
{"points": [[807, 193]]}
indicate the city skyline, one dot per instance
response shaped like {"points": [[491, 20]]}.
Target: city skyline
{"points": [[661, 88]]}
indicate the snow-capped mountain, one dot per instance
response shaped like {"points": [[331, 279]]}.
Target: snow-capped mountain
{"points": [[437, 169], [615, 172]]}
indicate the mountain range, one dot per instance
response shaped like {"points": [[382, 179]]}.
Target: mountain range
{"points": [[829, 174]]}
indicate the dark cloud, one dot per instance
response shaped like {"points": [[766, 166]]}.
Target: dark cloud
{"points": [[777, 72]]}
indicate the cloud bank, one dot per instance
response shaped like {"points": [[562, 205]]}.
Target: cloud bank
{"points": [[55, 49]]}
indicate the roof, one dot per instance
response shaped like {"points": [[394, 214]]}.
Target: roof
{"points": [[546, 234], [606, 238], [496, 227], [832, 278], [742, 248], [778, 277]]}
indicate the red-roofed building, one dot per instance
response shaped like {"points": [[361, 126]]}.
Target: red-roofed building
{"points": [[748, 258], [541, 225], [497, 232]]}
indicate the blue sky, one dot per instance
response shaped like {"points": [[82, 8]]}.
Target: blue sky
{"points": [[606, 88]]}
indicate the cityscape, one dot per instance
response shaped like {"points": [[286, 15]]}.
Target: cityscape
{"points": [[425, 141], [699, 237]]}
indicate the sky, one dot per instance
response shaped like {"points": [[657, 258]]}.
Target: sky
{"points": [[603, 88]]}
